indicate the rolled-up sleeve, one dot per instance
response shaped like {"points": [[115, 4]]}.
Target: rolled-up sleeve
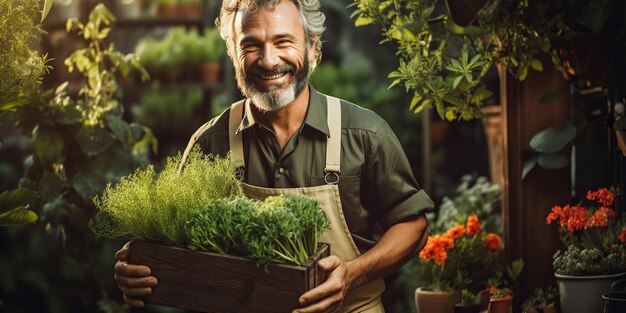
{"points": [[392, 193]]}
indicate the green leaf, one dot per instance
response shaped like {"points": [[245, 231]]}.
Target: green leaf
{"points": [[416, 99], [12, 199], [453, 99], [363, 20], [93, 175], [457, 81], [13, 207], [103, 33], [528, 166], [395, 82], [14, 103], [49, 145], [120, 129], [94, 140], [424, 104], [17, 216], [552, 161], [147, 139], [549, 97], [536, 65], [47, 5], [551, 140], [440, 108]]}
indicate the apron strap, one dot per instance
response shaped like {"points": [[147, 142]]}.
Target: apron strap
{"points": [[235, 138], [333, 146]]}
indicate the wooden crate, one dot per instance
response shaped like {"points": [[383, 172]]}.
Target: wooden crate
{"points": [[211, 282]]}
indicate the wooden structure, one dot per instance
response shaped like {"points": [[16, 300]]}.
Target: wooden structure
{"points": [[527, 202], [211, 282]]}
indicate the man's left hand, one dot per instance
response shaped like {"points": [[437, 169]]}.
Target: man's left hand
{"points": [[328, 297]]}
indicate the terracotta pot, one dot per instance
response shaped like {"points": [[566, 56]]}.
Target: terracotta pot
{"points": [[427, 301], [500, 305], [584, 293], [621, 140], [210, 72], [189, 10], [167, 10]]}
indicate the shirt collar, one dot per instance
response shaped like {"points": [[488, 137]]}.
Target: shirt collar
{"points": [[316, 115]]}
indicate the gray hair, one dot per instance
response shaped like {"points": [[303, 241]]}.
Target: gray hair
{"points": [[312, 18]]}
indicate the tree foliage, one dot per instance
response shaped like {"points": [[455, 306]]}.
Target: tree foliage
{"points": [[443, 63], [80, 142]]}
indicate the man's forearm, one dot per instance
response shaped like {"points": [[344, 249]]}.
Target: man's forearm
{"points": [[397, 245]]}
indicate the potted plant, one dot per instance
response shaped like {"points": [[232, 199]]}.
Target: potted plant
{"points": [[464, 257], [212, 50], [543, 300], [470, 302], [619, 125], [595, 255], [500, 300]]}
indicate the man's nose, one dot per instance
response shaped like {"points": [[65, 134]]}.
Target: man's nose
{"points": [[269, 58]]}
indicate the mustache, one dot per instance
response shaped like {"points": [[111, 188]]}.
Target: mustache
{"points": [[278, 70]]}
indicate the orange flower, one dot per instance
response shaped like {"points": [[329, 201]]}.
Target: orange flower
{"points": [[622, 236], [492, 241], [602, 195], [600, 217], [455, 231], [473, 226], [435, 249]]}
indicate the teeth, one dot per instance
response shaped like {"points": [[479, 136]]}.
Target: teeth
{"points": [[273, 77]]}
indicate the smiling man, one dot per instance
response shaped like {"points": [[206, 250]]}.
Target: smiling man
{"points": [[290, 138]]}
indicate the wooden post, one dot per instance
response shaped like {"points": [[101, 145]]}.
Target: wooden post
{"points": [[527, 203]]}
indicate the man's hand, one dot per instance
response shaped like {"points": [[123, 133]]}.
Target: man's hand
{"points": [[328, 297], [133, 280]]}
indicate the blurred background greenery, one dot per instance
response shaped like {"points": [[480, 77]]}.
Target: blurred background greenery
{"points": [[57, 265]]}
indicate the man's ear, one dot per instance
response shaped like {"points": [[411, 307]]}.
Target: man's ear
{"points": [[312, 47]]}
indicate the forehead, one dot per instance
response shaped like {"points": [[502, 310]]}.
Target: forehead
{"points": [[269, 20]]}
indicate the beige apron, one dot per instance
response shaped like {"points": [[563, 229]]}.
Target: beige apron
{"points": [[365, 298]]}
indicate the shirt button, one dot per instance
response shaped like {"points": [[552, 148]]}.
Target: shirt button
{"points": [[281, 171]]}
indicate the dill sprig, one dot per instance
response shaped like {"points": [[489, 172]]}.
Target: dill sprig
{"points": [[155, 207]]}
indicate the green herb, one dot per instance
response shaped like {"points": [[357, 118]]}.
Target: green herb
{"points": [[147, 206], [280, 229], [578, 261], [21, 67]]}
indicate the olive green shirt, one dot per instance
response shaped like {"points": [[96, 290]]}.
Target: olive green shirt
{"points": [[376, 184]]}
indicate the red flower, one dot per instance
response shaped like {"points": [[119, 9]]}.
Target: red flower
{"points": [[600, 217], [622, 236], [603, 196], [473, 226]]}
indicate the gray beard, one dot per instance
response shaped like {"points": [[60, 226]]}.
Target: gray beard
{"points": [[271, 100]]}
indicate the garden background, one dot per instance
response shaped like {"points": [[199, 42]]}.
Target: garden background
{"points": [[58, 265]]}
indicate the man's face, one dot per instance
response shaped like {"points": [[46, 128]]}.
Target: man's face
{"points": [[271, 56]]}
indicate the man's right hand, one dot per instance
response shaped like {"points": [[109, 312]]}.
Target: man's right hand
{"points": [[133, 280]]}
